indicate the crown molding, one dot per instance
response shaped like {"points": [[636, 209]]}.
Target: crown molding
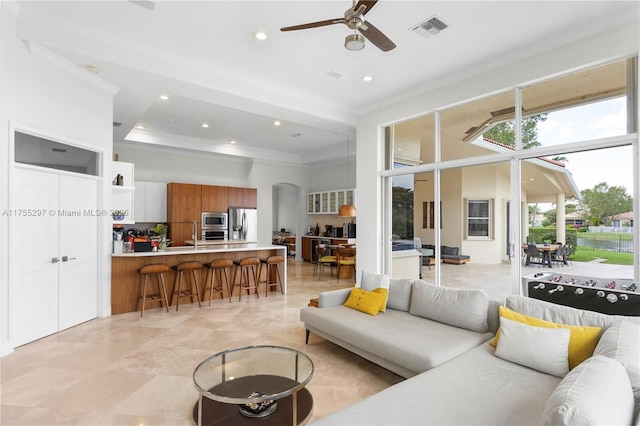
{"points": [[36, 50]]}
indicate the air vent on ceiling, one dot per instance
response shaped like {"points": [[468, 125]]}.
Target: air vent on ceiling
{"points": [[430, 27], [295, 135], [116, 124]]}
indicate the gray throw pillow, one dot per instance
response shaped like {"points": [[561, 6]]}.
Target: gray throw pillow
{"points": [[400, 294], [460, 307]]}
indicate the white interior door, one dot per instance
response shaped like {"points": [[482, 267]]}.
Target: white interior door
{"points": [[78, 246], [54, 253], [33, 254]]}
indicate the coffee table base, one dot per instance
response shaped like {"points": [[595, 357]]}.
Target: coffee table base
{"points": [[219, 413]]}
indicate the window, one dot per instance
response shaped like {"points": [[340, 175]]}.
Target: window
{"points": [[479, 216]]}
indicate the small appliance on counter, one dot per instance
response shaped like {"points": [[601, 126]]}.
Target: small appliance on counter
{"points": [[349, 230]]}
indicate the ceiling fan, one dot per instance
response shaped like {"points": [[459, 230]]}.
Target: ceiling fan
{"points": [[354, 19]]}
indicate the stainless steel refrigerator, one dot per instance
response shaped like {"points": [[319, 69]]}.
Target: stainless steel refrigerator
{"points": [[243, 224]]}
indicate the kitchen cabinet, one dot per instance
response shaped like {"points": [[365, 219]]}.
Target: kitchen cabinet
{"points": [[243, 197], [122, 196], [150, 202], [306, 249], [184, 202], [179, 232], [215, 198], [329, 202]]}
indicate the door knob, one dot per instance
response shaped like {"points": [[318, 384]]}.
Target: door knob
{"points": [[55, 260], [66, 258]]}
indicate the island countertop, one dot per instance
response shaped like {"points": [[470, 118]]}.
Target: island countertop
{"points": [[209, 248], [125, 280]]}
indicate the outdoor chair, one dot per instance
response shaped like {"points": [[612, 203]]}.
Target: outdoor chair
{"points": [[534, 256]]}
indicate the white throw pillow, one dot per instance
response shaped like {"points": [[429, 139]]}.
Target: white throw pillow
{"points": [[459, 307], [543, 349], [597, 392], [622, 343], [370, 281]]}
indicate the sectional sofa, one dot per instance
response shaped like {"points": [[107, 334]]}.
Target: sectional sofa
{"points": [[442, 340]]}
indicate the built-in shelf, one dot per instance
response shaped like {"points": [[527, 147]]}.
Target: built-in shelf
{"points": [[122, 196]]}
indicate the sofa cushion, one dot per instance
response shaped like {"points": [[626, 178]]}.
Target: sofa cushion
{"points": [[415, 343], [596, 392], [476, 388], [400, 294], [543, 349], [563, 314], [622, 343], [582, 342], [365, 301], [370, 281], [446, 250], [436, 303]]}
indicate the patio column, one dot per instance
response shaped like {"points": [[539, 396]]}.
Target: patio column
{"points": [[560, 218]]}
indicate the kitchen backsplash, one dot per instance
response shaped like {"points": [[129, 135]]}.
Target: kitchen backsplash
{"points": [[329, 219]]}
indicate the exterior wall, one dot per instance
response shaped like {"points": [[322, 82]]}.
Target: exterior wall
{"points": [[617, 43], [41, 92]]}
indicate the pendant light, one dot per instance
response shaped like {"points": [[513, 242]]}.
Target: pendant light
{"points": [[347, 210]]}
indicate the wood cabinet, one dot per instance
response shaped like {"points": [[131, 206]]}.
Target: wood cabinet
{"points": [[243, 197], [184, 202], [215, 198], [306, 249], [179, 232]]}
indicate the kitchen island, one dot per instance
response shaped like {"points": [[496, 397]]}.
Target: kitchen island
{"points": [[125, 280]]}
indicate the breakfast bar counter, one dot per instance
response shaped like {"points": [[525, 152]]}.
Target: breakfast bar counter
{"points": [[125, 280]]}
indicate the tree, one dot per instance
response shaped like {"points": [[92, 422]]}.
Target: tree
{"points": [[505, 134], [534, 211], [600, 204], [402, 212]]}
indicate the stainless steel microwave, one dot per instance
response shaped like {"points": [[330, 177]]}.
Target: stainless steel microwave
{"points": [[214, 220]]}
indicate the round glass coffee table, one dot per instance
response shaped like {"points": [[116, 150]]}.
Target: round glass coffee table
{"points": [[266, 382]]}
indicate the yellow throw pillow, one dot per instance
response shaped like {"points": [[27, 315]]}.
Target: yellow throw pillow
{"points": [[582, 342], [385, 292], [365, 301]]}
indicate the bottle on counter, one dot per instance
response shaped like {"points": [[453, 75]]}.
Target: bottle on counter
{"points": [[317, 229]]}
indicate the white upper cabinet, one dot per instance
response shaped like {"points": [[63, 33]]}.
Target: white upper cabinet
{"points": [[151, 202], [123, 190], [329, 202]]}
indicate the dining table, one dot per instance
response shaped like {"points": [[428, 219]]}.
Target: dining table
{"points": [[546, 249]]}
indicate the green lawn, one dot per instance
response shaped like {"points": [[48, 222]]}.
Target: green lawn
{"points": [[587, 254]]}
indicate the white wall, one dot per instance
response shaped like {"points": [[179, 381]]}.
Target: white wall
{"points": [[171, 165], [41, 91], [286, 201], [618, 43]]}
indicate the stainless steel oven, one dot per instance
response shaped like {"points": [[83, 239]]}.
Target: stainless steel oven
{"points": [[214, 234], [214, 220]]}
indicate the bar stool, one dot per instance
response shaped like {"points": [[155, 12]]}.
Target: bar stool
{"points": [[193, 267], [246, 266], [158, 270], [272, 262], [218, 267]]}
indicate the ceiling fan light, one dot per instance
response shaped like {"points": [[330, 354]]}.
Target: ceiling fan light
{"points": [[354, 42]]}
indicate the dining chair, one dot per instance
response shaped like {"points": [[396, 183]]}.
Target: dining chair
{"points": [[346, 258], [534, 256]]}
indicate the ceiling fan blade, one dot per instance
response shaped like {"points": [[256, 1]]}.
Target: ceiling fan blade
{"points": [[376, 37], [368, 3], [314, 24]]}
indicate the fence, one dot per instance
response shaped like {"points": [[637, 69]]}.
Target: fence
{"points": [[615, 243], [617, 229]]}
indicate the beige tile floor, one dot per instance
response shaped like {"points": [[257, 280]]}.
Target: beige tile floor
{"points": [[127, 370]]}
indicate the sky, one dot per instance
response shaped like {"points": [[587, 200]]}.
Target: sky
{"points": [[597, 120]]}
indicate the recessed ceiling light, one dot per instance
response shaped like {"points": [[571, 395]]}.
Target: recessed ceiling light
{"points": [[276, 123], [205, 125], [164, 97], [93, 69], [367, 78], [232, 142], [140, 126], [260, 35]]}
